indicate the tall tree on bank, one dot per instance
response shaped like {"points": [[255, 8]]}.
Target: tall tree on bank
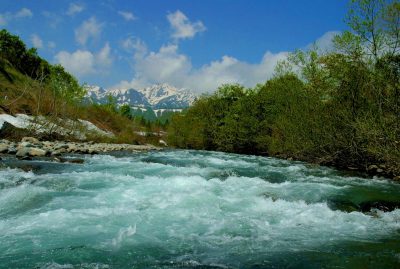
{"points": [[338, 106]]}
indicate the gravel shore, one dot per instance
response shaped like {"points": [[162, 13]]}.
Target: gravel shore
{"points": [[30, 147]]}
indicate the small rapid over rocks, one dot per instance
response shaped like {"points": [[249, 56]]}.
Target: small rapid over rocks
{"points": [[195, 209]]}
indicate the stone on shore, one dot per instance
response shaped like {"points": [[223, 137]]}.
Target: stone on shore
{"points": [[31, 152], [58, 152], [24, 145], [31, 140], [37, 152], [22, 152], [4, 148], [30, 147]]}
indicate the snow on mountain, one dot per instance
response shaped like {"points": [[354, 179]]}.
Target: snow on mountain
{"points": [[95, 93], [159, 96], [131, 97]]}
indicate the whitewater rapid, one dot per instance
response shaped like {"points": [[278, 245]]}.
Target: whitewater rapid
{"points": [[193, 209]]}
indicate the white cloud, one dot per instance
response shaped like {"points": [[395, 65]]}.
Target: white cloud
{"points": [[83, 62], [24, 13], [170, 66], [88, 29], [74, 9], [103, 58], [325, 42], [79, 63], [182, 27], [136, 45], [5, 18], [36, 41], [51, 44], [128, 16], [53, 19], [128, 44], [232, 70]]}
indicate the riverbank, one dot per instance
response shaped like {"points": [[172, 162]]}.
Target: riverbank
{"points": [[370, 169], [30, 147]]}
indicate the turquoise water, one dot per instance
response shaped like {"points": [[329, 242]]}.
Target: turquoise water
{"points": [[194, 209]]}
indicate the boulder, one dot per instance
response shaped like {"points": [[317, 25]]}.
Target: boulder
{"points": [[36, 152], [8, 130], [12, 150], [22, 152], [4, 148], [58, 152], [372, 167], [24, 145], [92, 151], [31, 152], [61, 146], [79, 161], [83, 150], [31, 140], [69, 160], [72, 148], [385, 206]]}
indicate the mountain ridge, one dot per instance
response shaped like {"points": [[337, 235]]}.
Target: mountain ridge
{"points": [[157, 96]]}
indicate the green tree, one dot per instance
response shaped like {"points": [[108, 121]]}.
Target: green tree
{"points": [[125, 110], [13, 50], [65, 85], [365, 19]]}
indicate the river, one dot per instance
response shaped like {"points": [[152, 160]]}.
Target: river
{"points": [[194, 209]]}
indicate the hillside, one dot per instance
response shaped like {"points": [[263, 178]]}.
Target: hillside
{"points": [[30, 86]]}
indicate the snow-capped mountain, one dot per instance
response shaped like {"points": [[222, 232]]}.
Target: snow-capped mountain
{"points": [[94, 93], [159, 96], [131, 97]]}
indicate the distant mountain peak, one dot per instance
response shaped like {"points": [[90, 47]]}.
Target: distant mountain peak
{"points": [[157, 96]]}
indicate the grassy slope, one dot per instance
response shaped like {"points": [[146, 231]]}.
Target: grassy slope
{"points": [[21, 94]]}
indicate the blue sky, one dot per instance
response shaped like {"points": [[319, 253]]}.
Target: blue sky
{"points": [[194, 44]]}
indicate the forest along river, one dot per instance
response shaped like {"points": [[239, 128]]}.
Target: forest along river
{"points": [[194, 209]]}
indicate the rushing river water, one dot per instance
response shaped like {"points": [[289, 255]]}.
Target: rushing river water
{"points": [[194, 209]]}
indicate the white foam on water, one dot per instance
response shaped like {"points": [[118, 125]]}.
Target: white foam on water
{"points": [[123, 234], [54, 265], [117, 203]]}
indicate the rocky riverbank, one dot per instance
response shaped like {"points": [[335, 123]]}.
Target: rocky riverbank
{"points": [[371, 169], [30, 147]]}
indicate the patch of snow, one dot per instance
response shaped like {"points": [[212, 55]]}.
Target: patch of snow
{"points": [[42, 125], [141, 133], [162, 142], [91, 127], [19, 122], [162, 110]]}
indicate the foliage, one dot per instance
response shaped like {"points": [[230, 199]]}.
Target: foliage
{"points": [[65, 85], [31, 85], [341, 106], [27, 61], [125, 110]]}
